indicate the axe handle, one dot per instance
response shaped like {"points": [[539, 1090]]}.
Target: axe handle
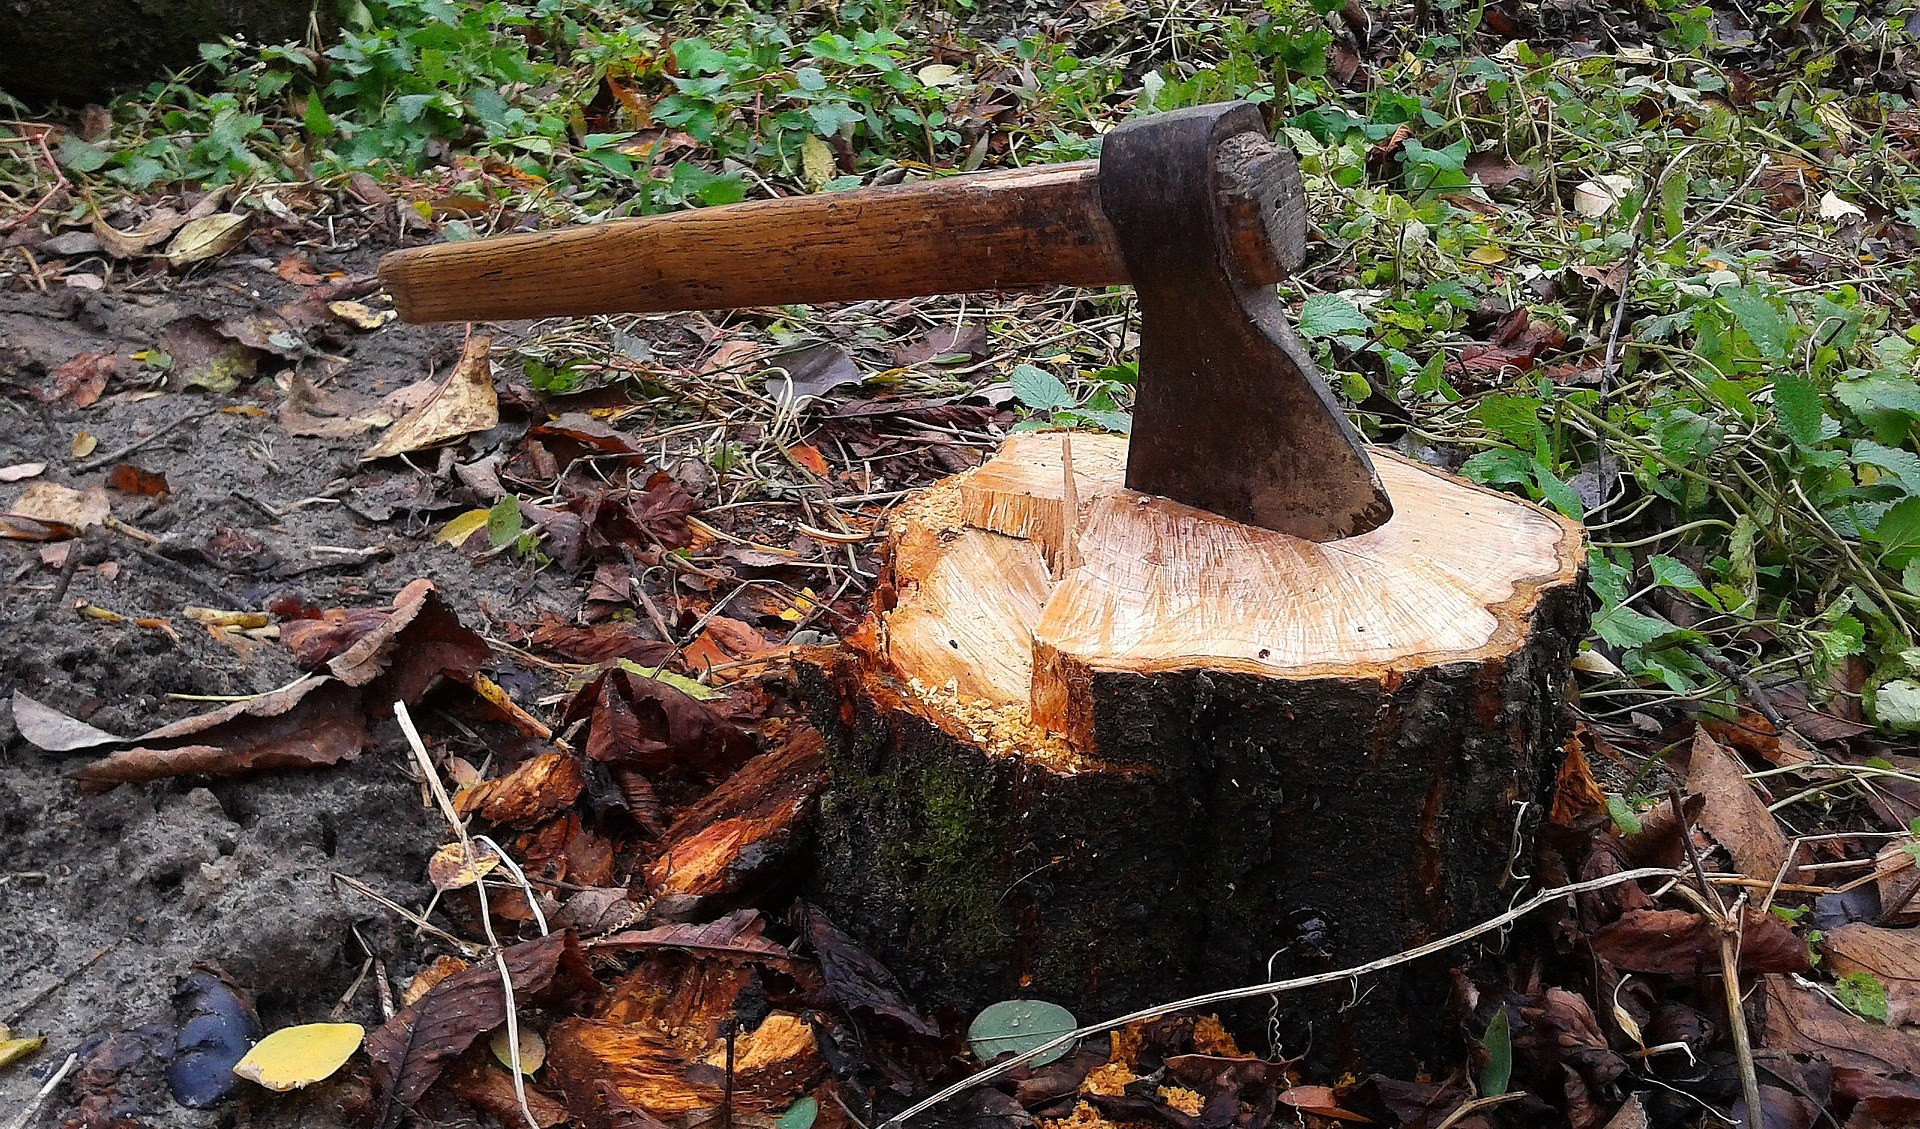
{"points": [[1016, 229]]}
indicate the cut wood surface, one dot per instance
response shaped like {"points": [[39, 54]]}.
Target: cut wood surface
{"points": [[1159, 586], [1096, 747]]}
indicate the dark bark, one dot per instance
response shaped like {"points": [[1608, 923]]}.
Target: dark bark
{"points": [[1331, 820], [77, 51]]}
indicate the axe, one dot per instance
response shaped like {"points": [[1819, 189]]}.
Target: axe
{"points": [[1196, 209]]}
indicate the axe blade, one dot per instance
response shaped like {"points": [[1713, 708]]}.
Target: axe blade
{"points": [[1230, 415]]}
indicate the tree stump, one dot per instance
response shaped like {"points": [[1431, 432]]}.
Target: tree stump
{"points": [[1097, 747]]}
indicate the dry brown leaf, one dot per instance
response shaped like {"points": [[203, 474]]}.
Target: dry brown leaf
{"points": [[1734, 815], [127, 243], [463, 404], [313, 723], [738, 934], [1892, 956], [129, 479], [411, 1049], [78, 383], [1899, 884], [51, 502], [1677, 942], [1800, 1021], [407, 650], [20, 527]]}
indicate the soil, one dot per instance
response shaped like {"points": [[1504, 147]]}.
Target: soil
{"points": [[108, 900]]}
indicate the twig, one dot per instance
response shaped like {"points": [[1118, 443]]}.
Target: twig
{"points": [[59, 182], [1729, 926], [1545, 897], [118, 453], [1467, 1109], [32, 1107], [75, 550], [445, 801]]}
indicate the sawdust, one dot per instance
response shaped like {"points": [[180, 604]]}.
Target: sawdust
{"points": [[1182, 1099], [1000, 729], [1108, 1081]]}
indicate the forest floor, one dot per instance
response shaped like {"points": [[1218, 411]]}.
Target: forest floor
{"points": [[1654, 270]]}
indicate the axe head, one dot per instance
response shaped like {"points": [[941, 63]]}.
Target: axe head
{"points": [[1230, 415]]}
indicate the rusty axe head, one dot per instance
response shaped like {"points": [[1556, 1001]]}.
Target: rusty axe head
{"points": [[1230, 414]]}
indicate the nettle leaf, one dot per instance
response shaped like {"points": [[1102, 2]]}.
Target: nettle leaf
{"points": [[1327, 315], [1903, 465], [1039, 389], [1515, 419], [1763, 324], [1896, 705], [1796, 406], [1898, 533], [1675, 574], [1621, 626], [503, 522]]}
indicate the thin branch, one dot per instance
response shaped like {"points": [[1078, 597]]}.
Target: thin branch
{"points": [[1545, 897]]}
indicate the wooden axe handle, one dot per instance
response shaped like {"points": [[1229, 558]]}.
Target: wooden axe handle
{"points": [[1016, 229]]}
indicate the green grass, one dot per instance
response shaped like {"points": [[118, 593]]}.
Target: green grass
{"points": [[1743, 445]]}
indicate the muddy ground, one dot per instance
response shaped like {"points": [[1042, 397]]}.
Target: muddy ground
{"points": [[107, 900]]}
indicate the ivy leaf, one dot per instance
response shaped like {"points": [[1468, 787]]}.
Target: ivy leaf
{"points": [[1328, 315], [1039, 389]]}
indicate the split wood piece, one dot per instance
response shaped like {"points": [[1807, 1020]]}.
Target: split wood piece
{"points": [[1202, 744]]}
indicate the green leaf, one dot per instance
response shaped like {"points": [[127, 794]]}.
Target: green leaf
{"points": [[1675, 574], [1327, 315], [1625, 819], [680, 682], [1621, 626], [1018, 1026], [1896, 705], [318, 124], [1898, 534], [1557, 493], [1764, 325], [1498, 1041], [1863, 995], [503, 522], [1796, 405], [79, 156], [799, 1115], [1039, 389], [1901, 463]]}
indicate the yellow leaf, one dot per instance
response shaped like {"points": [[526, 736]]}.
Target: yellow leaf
{"points": [[938, 74], [293, 1057], [359, 314], [457, 865], [462, 404], [802, 604], [457, 531], [206, 238], [13, 1050], [215, 617], [680, 682], [533, 1049], [1487, 254], [816, 163], [83, 444]]}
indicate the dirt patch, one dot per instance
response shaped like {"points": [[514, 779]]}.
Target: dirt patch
{"points": [[107, 901]]}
